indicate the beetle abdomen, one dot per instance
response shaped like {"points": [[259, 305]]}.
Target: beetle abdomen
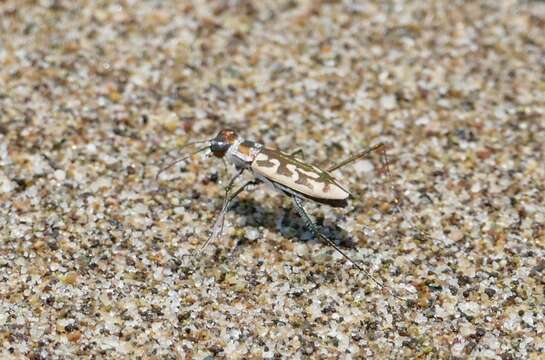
{"points": [[293, 174]]}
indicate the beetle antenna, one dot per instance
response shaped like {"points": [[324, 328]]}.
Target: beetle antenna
{"points": [[168, 166]]}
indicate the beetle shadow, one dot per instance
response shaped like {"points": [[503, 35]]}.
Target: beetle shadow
{"points": [[287, 222]]}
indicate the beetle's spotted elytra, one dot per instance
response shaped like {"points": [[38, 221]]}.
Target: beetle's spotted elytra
{"points": [[298, 177], [284, 173]]}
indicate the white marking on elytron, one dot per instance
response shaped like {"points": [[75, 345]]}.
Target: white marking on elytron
{"points": [[334, 192], [310, 174], [294, 174], [262, 157]]}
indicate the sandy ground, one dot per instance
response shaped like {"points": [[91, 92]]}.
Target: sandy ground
{"points": [[96, 96]]}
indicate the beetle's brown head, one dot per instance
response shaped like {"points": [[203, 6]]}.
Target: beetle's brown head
{"points": [[221, 143], [218, 145]]}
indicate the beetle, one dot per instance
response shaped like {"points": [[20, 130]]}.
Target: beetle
{"points": [[282, 172]]}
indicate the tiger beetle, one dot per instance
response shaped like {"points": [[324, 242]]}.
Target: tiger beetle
{"points": [[284, 173]]}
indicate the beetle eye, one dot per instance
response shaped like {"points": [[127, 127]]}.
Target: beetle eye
{"points": [[219, 148]]}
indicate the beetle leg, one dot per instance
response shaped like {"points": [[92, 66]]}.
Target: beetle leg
{"points": [[314, 229], [298, 152], [355, 157], [217, 229]]}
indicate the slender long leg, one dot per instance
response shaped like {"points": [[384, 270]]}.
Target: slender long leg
{"points": [[218, 223], [298, 152], [397, 203], [365, 153], [385, 162], [355, 157], [217, 229], [312, 227]]}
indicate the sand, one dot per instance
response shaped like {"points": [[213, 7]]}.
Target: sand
{"points": [[95, 97]]}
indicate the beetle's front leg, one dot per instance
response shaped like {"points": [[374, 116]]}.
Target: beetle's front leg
{"points": [[217, 229]]}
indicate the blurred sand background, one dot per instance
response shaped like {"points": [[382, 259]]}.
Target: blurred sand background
{"points": [[95, 96]]}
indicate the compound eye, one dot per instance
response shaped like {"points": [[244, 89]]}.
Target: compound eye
{"points": [[219, 148]]}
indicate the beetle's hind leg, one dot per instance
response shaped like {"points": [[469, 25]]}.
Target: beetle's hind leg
{"points": [[397, 204], [314, 229], [298, 153], [356, 157]]}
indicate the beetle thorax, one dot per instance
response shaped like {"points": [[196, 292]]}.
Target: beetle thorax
{"points": [[242, 153]]}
